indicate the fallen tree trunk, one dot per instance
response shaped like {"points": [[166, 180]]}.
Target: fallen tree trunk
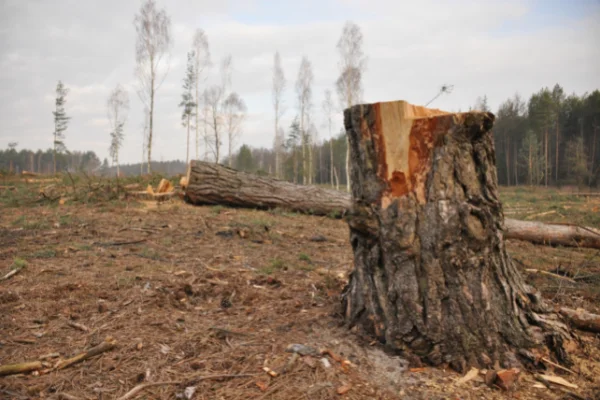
{"points": [[209, 183], [431, 273], [216, 184], [552, 234], [581, 319]]}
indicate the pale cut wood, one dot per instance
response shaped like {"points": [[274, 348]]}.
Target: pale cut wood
{"points": [[210, 183]]}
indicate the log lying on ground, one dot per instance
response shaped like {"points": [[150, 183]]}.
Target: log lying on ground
{"points": [[209, 183], [581, 319], [552, 234], [215, 184], [431, 273]]}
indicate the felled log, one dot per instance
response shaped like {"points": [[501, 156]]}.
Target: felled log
{"points": [[216, 184], [581, 319], [552, 234], [431, 272], [210, 183]]}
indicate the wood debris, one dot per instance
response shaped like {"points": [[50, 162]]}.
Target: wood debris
{"points": [[557, 380], [20, 368], [469, 376], [107, 345], [506, 378], [165, 186], [344, 389], [10, 274], [581, 319], [141, 387], [78, 326]]}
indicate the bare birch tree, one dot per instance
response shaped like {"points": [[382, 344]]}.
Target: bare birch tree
{"points": [[145, 129], [201, 64], [234, 112], [278, 88], [213, 96], [352, 66], [328, 110], [226, 71], [304, 98], [117, 110], [153, 28]]}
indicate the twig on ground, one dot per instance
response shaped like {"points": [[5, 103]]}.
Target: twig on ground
{"points": [[20, 368], [77, 326], [555, 365], [557, 276], [107, 345], [66, 396], [143, 386], [11, 274], [119, 243]]}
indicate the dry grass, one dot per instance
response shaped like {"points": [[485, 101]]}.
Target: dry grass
{"points": [[190, 292]]}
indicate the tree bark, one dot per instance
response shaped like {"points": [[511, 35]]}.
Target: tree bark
{"points": [[552, 234], [582, 319], [215, 184], [431, 273]]}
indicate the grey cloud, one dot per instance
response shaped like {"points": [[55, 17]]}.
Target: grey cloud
{"points": [[412, 49]]}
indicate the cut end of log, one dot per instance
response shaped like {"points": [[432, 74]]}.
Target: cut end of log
{"points": [[165, 186], [404, 138]]}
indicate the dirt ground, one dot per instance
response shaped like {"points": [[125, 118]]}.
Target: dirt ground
{"points": [[203, 299]]}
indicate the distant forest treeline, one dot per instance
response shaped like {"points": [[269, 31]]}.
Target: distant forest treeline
{"points": [[17, 161], [550, 139]]}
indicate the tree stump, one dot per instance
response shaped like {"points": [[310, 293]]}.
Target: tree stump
{"points": [[431, 274]]}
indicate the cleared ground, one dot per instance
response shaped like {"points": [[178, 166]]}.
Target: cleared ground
{"points": [[190, 292]]}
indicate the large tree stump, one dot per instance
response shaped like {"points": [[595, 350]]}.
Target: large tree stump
{"points": [[431, 273]]}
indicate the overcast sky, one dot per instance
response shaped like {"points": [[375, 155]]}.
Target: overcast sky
{"points": [[493, 48]]}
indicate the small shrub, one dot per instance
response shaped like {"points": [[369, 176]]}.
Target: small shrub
{"points": [[19, 263], [305, 257]]}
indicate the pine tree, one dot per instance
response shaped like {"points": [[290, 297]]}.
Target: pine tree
{"points": [[187, 100], [61, 121]]}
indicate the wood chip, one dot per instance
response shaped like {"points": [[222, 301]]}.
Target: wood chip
{"points": [[77, 326], [558, 381], [344, 389], [472, 374]]}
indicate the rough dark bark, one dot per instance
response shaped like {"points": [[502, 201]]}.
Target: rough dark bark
{"points": [[210, 183], [431, 273]]}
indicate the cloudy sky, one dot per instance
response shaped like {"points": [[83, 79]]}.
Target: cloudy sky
{"points": [[493, 48]]}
